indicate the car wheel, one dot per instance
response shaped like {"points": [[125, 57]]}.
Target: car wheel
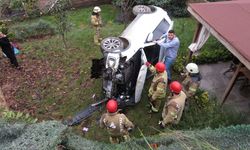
{"points": [[112, 44], [141, 9]]}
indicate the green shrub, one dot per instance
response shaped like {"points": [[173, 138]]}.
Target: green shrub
{"points": [[204, 111], [179, 64], [18, 116], [50, 134], [3, 28], [212, 52], [33, 30], [212, 56]]}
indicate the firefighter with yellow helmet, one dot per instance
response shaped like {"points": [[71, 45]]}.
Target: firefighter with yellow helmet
{"points": [[117, 124], [174, 106], [192, 79], [157, 90], [96, 22]]}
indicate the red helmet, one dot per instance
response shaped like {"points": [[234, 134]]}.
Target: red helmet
{"points": [[112, 106], [175, 87], [160, 67]]}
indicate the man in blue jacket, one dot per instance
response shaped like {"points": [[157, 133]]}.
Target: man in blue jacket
{"points": [[170, 49]]}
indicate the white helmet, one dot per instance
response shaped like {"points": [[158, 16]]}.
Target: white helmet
{"points": [[192, 68], [97, 9]]}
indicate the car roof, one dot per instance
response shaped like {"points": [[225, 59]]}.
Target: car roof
{"points": [[138, 30]]}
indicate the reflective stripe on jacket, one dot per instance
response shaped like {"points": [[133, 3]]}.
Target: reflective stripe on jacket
{"points": [[117, 124], [173, 108], [159, 84]]}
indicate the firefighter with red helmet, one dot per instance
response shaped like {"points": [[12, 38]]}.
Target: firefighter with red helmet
{"points": [[157, 90], [96, 21], [117, 124], [174, 106]]}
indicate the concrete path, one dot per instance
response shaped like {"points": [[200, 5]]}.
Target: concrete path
{"points": [[215, 82]]}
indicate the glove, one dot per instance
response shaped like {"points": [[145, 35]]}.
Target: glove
{"points": [[161, 124], [130, 129], [147, 64]]}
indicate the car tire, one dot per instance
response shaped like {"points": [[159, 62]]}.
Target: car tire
{"points": [[111, 44], [141, 9]]}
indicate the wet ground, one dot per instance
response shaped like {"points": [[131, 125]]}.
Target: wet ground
{"points": [[216, 82]]}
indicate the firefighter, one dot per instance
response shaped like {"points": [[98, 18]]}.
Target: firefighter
{"points": [[192, 80], [157, 90], [96, 22], [116, 123], [174, 106]]}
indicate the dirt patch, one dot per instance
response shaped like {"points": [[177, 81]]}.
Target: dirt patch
{"points": [[33, 71]]}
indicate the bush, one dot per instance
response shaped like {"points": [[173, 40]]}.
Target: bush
{"points": [[212, 53], [40, 136], [212, 56], [204, 111], [3, 28], [34, 30], [18, 116]]}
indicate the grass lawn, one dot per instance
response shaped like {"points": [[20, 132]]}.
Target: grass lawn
{"points": [[63, 86]]}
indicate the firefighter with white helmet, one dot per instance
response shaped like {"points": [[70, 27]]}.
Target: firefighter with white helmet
{"points": [[117, 124], [192, 79], [174, 106], [96, 22], [157, 90]]}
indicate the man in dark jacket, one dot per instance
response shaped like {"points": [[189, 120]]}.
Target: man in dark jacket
{"points": [[8, 49]]}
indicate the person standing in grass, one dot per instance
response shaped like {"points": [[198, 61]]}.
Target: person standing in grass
{"points": [[192, 79], [8, 50], [117, 124], [96, 21], [170, 49], [157, 90], [174, 106]]}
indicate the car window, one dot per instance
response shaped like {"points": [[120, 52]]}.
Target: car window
{"points": [[160, 29]]}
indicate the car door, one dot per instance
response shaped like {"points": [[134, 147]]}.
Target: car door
{"points": [[141, 77]]}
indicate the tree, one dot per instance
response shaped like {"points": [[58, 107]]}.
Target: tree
{"points": [[63, 25], [126, 7]]}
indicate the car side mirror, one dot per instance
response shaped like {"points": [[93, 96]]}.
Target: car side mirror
{"points": [[150, 37]]}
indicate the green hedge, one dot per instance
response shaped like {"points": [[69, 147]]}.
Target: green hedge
{"points": [[50, 134], [34, 30]]}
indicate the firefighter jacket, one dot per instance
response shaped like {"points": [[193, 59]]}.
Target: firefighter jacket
{"points": [[191, 83], [117, 124], [173, 108], [159, 84], [96, 20]]}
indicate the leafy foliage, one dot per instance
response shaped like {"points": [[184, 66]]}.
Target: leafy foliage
{"points": [[63, 24], [204, 111], [3, 28], [33, 30], [216, 52], [44, 135], [18, 116], [53, 135]]}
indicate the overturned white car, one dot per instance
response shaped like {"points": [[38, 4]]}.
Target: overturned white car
{"points": [[122, 67]]}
